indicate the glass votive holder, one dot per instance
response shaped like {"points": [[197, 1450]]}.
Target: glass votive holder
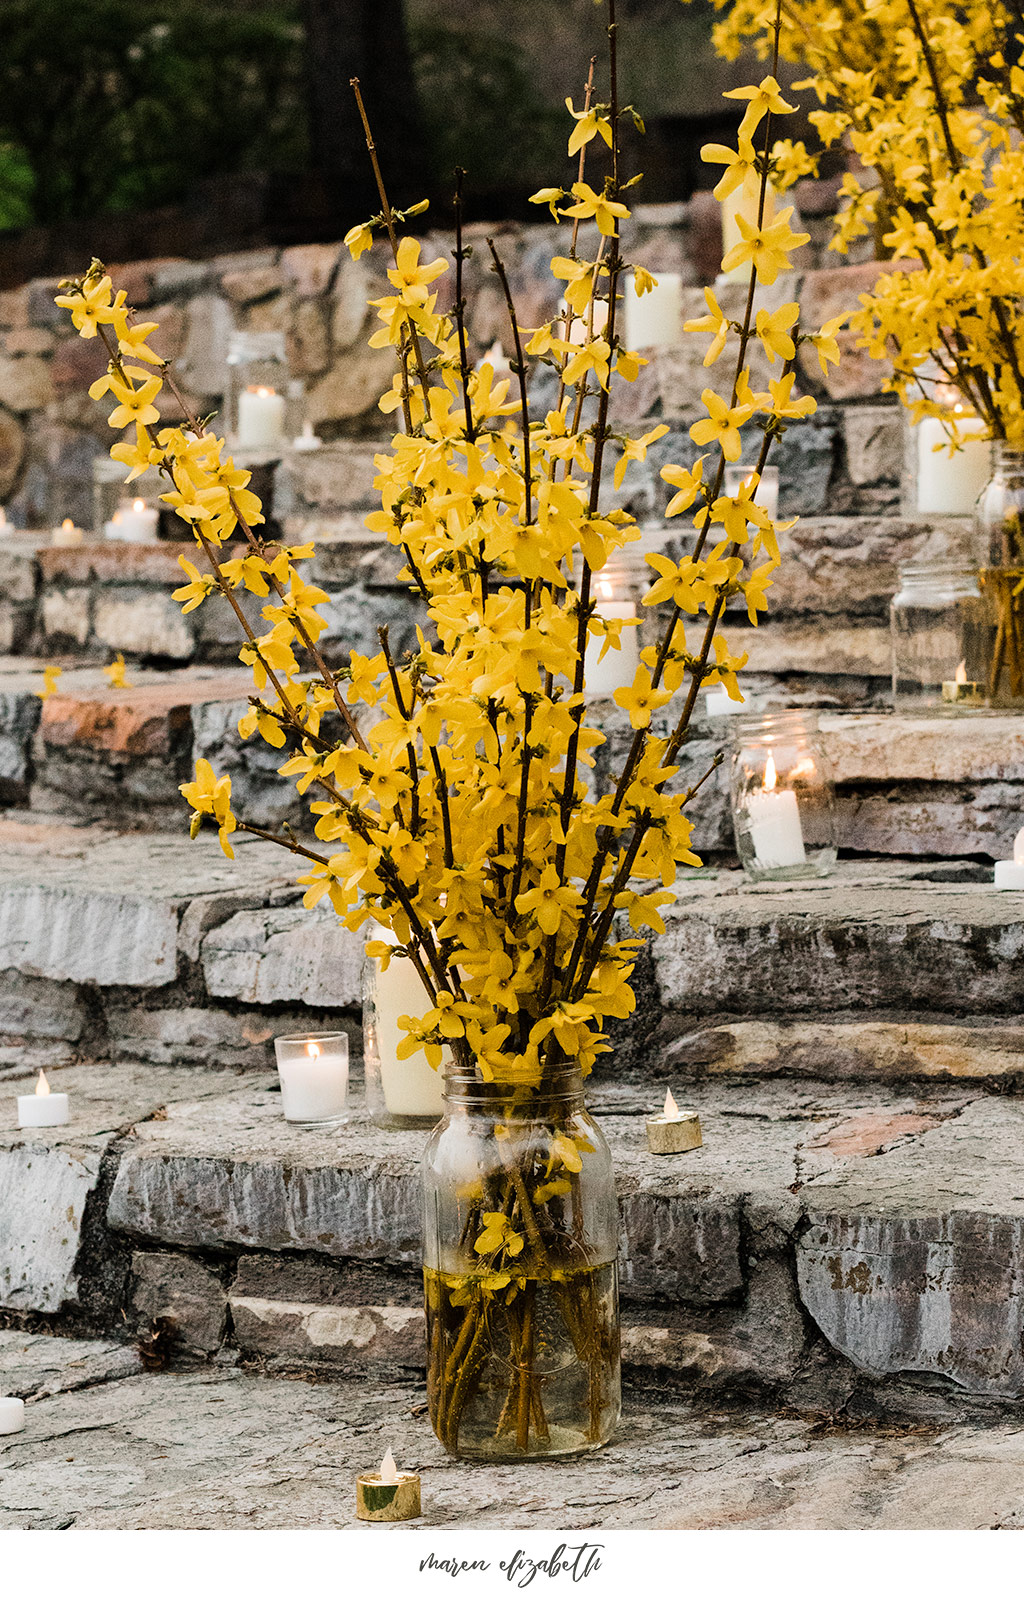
{"points": [[399, 1093], [783, 797], [258, 399], [313, 1069], [941, 636], [767, 493]]}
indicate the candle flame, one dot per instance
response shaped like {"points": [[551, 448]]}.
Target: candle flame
{"points": [[388, 1470], [138, 505], [116, 517], [961, 672], [66, 525], [3, 517], [1018, 849], [261, 389], [771, 777], [313, 1049], [671, 1109], [605, 589], [42, 1087]]}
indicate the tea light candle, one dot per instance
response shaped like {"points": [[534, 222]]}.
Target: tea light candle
{"points": [[774, 819], [307, 439], [673, 1131], [260, 417], [411, 1088], [766, 494], [42, 1109], [949, 485], [655, 320], [719, 703], [1010, 874], [388, 1495], [67, 534], [314, 1077], [960, 691], [618, 669], [12, 1414], [135, 524]]}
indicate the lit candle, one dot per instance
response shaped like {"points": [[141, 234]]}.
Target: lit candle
{"points": [[949, 485], [1010, 874], [307, 439], [67, 534], [655, 320], [766, 495], [719, 703], [260, 417], [3, 520], [496, 359], [961, 691], [579, 333], [411, 1088], [134, 524], [774, 820], [314, 1077], [12, 1414], [42, 1109], [388, 1495], [744, 202], [618, 669], [673, 1131]]}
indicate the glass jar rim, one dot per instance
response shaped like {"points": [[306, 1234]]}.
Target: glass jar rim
{"points": [[517, 1101], [940, 567], [766, 727]]}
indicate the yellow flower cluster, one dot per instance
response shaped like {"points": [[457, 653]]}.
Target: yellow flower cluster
{"points": [[449, 789], [930, 98]]}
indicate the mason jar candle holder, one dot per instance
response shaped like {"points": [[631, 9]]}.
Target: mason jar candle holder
{"points": [[400, 1093], [313, 1069], [258, 397], [941, 634], [783, 797], [615, 591], [767, 493]]}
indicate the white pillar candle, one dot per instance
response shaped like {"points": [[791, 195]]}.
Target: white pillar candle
{"points": [[260, 417], [774, 820], [618, 669], [719, 703], [1010, 874], [655, 320], [767, 493], [744, 202], [949, 485], [314, 1077], [67, 534], [134, 524], [12, 1414], [42, 1109], [411, 1088]]}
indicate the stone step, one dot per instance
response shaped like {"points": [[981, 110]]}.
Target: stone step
{"points": [[823, 1243], [149, 947], [295, 1450]]}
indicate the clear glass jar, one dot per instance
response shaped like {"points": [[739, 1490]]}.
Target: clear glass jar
{"points": [[399, 1093], [1000, 530], [258, 393], [783, 797], [520, 1243], [615, 591], [939, 623]]}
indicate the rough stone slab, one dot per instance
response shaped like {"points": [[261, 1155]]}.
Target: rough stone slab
{"points": [[366, 1336], [221, 1449], [34, 1366], [914, 1262], [870, 938], [81, 906], [286, 954], [190, 1294]]}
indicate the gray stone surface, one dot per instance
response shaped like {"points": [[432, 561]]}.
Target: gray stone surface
{"points": [[190, 1294], [34, 1365], [224, 1449], [287, 954]]}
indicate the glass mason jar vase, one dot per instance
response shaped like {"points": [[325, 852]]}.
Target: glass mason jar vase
{"points": [[941, 638], [999, 520], [400, 1092], [520, 1242], [783, 797]]}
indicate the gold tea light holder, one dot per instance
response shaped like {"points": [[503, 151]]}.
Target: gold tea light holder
{"points": [[673, 1132], [388, 1495]]}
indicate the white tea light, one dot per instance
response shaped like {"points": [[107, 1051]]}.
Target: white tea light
{"points": [[66, 535], [134, 524], [1010, 874], [42, 1109], [774, 820], [961, 691], [307, 439], [766, 495], [12, 1414], [719, 703], [260, 417], [314, 1077], [674, 1131]]}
